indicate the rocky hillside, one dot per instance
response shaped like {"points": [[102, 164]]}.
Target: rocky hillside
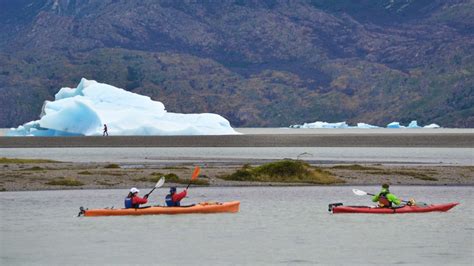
{"points": [[256, 62]]}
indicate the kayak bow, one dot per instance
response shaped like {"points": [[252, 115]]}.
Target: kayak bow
{"points": [[203, 207], [340, 208]]}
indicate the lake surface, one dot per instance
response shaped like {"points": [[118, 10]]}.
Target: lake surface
{"points": [[461, 156], [276, 225]]}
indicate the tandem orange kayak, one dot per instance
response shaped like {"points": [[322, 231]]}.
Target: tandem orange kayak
{"points": [[203, 207]]}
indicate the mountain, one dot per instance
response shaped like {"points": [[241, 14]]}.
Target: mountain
{"points": [[256, 62]]}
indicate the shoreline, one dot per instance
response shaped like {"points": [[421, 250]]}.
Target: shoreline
{"points": [[39, 176], [266, 137]]}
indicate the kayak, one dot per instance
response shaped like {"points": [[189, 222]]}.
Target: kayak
{"points": [[339, 208], [203, 207]]}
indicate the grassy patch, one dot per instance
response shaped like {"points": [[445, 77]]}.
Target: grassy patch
{"points": [[413, 174], [286, 171], [112, 166], [14, 160], [34, 168], [3, 189], [72, 182], [175, 168], [173, 178], [84, 173], [355, 167]]}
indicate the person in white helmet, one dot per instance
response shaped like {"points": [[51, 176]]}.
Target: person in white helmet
{"points": [[133, 200]]}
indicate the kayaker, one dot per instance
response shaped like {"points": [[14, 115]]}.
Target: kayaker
{"points": [[385, 198], [133, 200], [173, 199]]}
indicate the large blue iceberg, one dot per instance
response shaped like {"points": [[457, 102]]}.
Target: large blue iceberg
{"points": [[84, 110]]}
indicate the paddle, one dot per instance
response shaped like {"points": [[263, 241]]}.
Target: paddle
{"points": [[158, 184], [194, 176], [359, 192]]}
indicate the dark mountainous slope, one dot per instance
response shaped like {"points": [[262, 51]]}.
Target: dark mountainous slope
{"points": [[258, 63]]}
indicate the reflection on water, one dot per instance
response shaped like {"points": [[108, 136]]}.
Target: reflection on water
{"points": [[283, 225]]}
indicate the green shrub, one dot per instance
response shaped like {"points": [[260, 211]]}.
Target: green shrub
{"points": [[65, 182], [112, 166], [286, 171]]}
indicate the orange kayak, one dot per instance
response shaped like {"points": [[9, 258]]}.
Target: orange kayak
{"points": [[203, 207]]}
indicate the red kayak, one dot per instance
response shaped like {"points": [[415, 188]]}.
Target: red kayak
{"points": [[339, 208]]}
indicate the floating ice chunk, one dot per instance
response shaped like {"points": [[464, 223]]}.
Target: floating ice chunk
{"points": [[85, 109], [432, 126], [413, 124], [364, 125], [320, 124], [394, 125]]}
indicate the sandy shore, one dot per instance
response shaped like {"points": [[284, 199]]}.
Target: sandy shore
{"points": [[38, 176]]}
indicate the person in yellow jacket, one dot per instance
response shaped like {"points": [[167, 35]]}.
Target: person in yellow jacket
{"points": [[385, 198]]}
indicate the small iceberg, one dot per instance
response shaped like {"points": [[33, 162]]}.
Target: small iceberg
{"points": [[320, 124]]}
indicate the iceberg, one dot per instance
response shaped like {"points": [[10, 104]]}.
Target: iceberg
{"points": [[320, 124], [432, 126], [364, 125], [394, 125], [83, 111], [413, 124]]}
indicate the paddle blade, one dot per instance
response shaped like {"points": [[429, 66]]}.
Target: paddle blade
{"points": [[160, 182], [195, 173], [359, 192]]}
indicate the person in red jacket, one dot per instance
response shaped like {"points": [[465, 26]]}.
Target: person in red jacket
{"points": [[133, 200], [173, 199]]}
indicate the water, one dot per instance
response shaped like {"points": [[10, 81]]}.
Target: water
{"points": [[279, 225], [461, 156]]}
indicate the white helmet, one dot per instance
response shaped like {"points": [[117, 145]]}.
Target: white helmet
{"points": [[134, 190]]}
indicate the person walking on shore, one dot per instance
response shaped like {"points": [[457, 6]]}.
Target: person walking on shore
{"points": [[385, 198], [105, 133], [133, 200]]}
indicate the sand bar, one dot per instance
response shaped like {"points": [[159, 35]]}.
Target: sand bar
{"points": [[460, 140]]}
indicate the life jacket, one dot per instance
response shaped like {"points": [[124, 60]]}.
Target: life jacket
{"points": [[383, 200], [170, 202], [129, 203]]}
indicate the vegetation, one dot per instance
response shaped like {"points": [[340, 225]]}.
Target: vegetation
{"points": [[34, 168], [84, 173], [355, 167], [286, 171], [24, 161], [329, 60], [112, 166], [70, 182]]}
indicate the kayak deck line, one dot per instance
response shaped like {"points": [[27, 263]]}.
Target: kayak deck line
{"points": [[203, 207], [340, 208]]}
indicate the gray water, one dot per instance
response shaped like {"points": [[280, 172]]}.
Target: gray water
{"points": [[460, 156], [280, 225]]}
